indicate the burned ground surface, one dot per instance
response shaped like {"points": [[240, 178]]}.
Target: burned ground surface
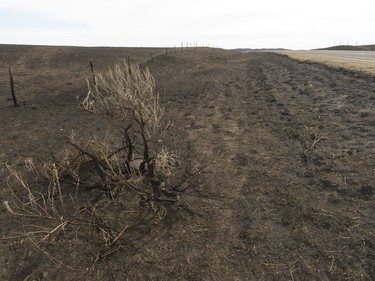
{"points": [[290, 192]]}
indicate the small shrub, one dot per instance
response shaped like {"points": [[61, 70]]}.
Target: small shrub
{"points": [[134, 173]]}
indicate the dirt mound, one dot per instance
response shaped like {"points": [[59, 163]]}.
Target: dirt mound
{"points": [[290, 195]]}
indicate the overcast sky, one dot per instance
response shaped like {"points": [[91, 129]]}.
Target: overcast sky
{"points": [[227, 24]]}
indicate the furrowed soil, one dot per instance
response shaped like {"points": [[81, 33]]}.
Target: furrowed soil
{"points": [[290, 194]]}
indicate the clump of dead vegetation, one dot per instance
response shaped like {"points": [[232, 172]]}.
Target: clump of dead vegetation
{"points": [[96, 190]]}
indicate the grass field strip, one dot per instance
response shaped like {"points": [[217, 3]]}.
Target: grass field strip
{"points": [[358, 60]]}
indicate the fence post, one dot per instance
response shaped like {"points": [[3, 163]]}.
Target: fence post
{"points": [[93, 73], [130, 69], [12, 88]]}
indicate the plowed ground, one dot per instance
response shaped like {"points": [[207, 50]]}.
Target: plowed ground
{"points": [[290, 194]]}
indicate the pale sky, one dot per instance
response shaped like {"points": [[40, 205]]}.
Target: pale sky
{"points": [[160, 23]]}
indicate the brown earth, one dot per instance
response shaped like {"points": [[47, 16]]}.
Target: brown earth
{"points": [[290, 195]]}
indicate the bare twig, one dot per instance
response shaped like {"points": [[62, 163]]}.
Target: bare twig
{"points": [[191, 176], [316, 140], [99, 169]]}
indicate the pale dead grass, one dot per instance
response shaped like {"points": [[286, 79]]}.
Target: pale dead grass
{"points": [[354, 60]]}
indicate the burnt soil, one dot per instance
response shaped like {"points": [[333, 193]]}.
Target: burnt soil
{"points": [[290, 194]]}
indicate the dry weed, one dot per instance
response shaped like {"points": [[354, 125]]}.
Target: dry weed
{"points": [[124, 96]]}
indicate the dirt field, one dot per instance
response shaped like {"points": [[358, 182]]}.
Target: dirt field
{"points": [[363, 61], [290, 195]]}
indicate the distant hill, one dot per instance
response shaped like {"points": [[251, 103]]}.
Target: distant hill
{"points": [[351, 48], [244, 50]]}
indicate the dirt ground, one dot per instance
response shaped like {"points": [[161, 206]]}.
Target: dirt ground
{"points": [[290, 194]]}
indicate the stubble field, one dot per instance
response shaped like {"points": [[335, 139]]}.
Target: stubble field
{"points": [[363, 61]]}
